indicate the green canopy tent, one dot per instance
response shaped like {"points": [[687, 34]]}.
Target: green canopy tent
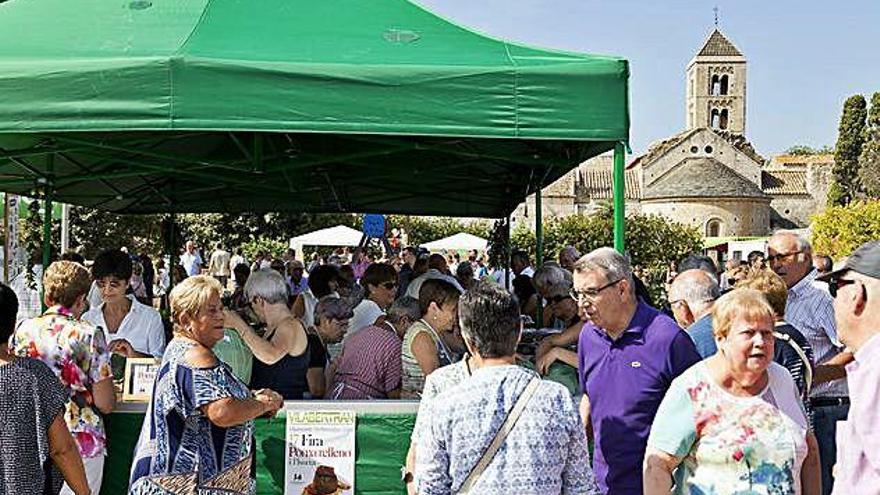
{"points": [[150, 106]]}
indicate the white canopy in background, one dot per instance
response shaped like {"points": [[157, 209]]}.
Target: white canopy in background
{"points": [[460, 241], [339, 235]]}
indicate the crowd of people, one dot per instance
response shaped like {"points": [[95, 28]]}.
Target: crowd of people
{"points": [[736, 384]]}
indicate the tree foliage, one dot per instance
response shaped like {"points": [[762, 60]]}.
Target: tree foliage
{"points": [[839, 230], [804, 150], [869, 160], [850, 138], [651, 241], [420, 230]]}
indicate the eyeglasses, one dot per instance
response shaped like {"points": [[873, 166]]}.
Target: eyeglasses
{"points": [[835, 284], [590, 294], [781, 257], [389, 285]]}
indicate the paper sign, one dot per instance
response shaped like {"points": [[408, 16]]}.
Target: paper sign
{"points": [[140, 373], [319, 453]]}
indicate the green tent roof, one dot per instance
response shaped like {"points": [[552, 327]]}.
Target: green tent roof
{"points": [[331, 105]]}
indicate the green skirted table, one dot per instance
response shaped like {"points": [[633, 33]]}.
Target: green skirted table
{"points": [[381, 442]]}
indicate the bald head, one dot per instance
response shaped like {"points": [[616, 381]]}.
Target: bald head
{"points": [[691, 295]]}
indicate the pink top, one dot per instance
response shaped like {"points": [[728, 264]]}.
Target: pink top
{"points": [[858, 438], [369, 366]]}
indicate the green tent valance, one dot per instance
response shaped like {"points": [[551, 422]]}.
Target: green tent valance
{"points": [[343, 105]]}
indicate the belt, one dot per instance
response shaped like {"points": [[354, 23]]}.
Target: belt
{"points": [[829, 401]]}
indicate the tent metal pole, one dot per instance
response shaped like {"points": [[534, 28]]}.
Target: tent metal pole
{"points": [[507, 253], [619, 198], [47, 220], [539, 250]]}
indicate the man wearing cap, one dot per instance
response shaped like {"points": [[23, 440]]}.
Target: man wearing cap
{"points": [[809, 308], [856, 291]]}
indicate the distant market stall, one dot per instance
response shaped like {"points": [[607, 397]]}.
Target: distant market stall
{"points": [[340, 235], [458, 242], [156, 106]]}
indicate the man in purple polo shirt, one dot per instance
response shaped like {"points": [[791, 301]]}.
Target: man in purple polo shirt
{"points": [[628, 355]]}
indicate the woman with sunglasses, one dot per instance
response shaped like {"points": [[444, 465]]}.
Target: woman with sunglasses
{"points": [[281, 357], [380, 289], [554, 284]]}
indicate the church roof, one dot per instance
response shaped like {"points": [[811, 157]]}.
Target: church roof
{"points": [[659, 149], [717, 45], [598, 183], [702, 177], [784, 182]]}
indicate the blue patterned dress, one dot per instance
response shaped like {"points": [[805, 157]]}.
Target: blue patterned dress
{"points": [[180, 450]]}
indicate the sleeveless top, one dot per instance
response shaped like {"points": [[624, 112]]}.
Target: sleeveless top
{"points": [[412, 378], [287, 376]]}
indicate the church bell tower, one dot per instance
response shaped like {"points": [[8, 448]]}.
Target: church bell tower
{"points": [[716, 86]]}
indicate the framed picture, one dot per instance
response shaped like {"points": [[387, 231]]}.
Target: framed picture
{"points": [[139, 376]]}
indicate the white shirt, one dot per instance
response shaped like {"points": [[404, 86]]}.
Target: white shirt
{"points": [[498, 276], [365, 314], [236, 260], [192, 263], [141, 327], [416, 285]]}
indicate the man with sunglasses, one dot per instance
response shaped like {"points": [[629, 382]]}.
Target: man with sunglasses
{"points": [[856, 291], [628, 355], [809, 308]]}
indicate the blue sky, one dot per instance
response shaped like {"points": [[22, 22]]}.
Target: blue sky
{"points": [[804, 57]]}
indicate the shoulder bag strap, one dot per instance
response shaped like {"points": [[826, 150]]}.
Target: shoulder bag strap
{"points": [[808, 366], [496, 443]]}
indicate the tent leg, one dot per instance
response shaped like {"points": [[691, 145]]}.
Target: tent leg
{"points": [[507, 253], [172, 257], [539, 251], [47, 220], [619, 198]]}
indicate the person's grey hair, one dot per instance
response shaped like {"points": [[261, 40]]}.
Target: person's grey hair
{"points": [[571, 251], [405, 306], [490, 320], [552, 280], [698, 262], [268, 285], [332, 307], [800, 241], [611, 263], [695, 291]]}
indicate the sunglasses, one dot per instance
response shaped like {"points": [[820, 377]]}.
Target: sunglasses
{"points": [[835, 284]]}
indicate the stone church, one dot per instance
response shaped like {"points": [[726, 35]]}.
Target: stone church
{"points": [[708, 176]]}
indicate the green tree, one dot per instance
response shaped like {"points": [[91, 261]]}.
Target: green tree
{"points": [[804, 150], [92, 231], [850, 137], [651, 241], [869, 160], [839, 230]]}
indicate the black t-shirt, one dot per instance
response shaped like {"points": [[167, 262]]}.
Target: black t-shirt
{"points": [[317, 352]]}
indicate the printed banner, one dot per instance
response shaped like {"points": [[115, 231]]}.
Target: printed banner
{"points": [[320, 453]]}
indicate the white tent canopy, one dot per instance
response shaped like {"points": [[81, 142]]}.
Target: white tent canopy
{"points": [[339, 235], [460, 241]]}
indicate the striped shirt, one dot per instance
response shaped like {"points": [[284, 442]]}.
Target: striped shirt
{"points": [[369, 366], [809, 308]]}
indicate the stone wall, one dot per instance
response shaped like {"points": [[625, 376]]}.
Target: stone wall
{"points": [[792, 212], [739, 217], [707, 144]]}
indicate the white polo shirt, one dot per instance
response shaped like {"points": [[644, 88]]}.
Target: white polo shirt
{"points": [[141, 327]]}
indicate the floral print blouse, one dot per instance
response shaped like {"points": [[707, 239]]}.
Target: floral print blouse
{"points": [[732, 444], [77, 353]]}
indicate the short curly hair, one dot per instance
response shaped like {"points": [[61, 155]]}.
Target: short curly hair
{"points": [[112, 262], [191, 295], [64, 282]]}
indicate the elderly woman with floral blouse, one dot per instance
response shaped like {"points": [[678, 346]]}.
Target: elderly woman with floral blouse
{"points": [[198, 402], [734, 423]]}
